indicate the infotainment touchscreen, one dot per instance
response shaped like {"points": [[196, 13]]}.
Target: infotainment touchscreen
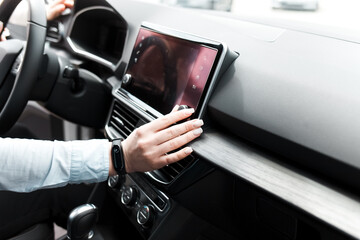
{"points": [[165, 70]]}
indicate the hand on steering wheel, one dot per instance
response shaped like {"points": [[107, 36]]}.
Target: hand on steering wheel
{"points": [[55, 8], [19, 62], [4, 34]]}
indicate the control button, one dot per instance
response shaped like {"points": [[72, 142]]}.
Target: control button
{"points": [[160, 203], [145, 216], [114, 181], [71, 72], [129, 196], [182, 107], [17, 64], [126, 80], [138, 205]]}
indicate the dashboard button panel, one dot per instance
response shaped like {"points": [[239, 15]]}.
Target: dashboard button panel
{"points": [[129, 196], [145, 205], [144, 215]]}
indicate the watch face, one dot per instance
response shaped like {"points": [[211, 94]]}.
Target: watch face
{"points": [[117, 157]]}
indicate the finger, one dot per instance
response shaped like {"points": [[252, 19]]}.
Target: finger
{"points": [[3, 33], [177, 130], [175, 108], [169, 119], [176, 156], [179, 141], [56, 2], [69, 3], [55, 11], [6, 33]]}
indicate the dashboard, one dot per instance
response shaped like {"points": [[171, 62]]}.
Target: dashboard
{"points": [[105, 41], [278, 158], [166, 68]]}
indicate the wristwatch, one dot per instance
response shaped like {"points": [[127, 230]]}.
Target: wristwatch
{"points": [[117, 156]]}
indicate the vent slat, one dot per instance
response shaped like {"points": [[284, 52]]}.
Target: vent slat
{"points": [[118, 129], [131, 122], [168, 173], [126, 114], [123, 120]]}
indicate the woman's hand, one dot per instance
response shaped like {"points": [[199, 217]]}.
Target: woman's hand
{"points": [[5, 33], [1, 27], [55, 8], [150, 146]]}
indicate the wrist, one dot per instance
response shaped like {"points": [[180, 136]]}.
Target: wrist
{"points": [[112, 171], [126, 157]]}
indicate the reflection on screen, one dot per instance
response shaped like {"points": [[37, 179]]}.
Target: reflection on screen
{"points": [[167, 70]]}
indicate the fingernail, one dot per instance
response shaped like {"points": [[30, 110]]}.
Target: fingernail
{"points": [[175, 108], [188, 150], [197, 131], [198, 123], [189, 111]]}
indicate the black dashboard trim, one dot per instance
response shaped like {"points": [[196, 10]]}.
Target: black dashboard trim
{"points": [[86, 54], [337, 208]]}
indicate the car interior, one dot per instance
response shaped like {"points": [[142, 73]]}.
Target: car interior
{"points": [[279, 155]]}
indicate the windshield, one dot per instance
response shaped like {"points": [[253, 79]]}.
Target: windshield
{"points": [[333, 13]]}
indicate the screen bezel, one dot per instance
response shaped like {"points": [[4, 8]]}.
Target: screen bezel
{"points": [[212, 78]]}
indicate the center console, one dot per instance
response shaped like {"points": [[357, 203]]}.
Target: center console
{"points": [[166, 68]]}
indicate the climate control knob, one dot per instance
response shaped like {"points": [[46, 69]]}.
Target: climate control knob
{"points": [[145, 216], [129, 196], [126, 80], [114, 181]]}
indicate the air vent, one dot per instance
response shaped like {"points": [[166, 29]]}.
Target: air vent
{"points": [[168, 173], [123, 120]]}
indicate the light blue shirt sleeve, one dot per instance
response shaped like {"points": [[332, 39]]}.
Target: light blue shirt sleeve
{"points": [[27, 165]]}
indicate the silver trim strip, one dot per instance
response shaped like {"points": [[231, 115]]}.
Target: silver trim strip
{"points": [[82, 52]]}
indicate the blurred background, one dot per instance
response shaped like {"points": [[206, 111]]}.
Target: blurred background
{"points": [[335, 13]]}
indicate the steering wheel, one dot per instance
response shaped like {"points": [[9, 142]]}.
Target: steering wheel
{"points": [[19, 61]]}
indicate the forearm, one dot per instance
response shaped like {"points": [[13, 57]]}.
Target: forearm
{"points": [[27, 165]]}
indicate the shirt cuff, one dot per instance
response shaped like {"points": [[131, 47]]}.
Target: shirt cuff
{"points": [[89, 161]]}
